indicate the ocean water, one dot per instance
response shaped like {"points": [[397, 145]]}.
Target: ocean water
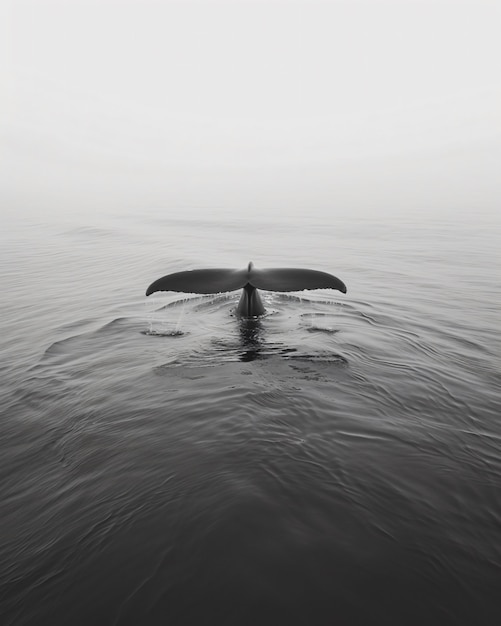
{"points": [[337, 461]]}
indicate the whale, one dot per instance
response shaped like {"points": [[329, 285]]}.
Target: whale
{"points": [[250, 280]]}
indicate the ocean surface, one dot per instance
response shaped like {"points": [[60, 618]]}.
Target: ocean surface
{"points": [[337, 461]]}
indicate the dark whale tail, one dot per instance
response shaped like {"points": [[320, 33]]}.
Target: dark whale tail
{"points": [[250, 280]]}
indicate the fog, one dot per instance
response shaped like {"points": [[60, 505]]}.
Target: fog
{"points": [[361, 107]]}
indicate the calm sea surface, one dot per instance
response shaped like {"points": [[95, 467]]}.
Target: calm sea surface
{"points": [[337, 461]]}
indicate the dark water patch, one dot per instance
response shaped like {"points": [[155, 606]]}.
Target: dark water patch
{"points": [[221, 353]]}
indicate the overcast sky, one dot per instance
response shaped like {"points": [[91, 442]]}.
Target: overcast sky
{"points": [[361, 105]]}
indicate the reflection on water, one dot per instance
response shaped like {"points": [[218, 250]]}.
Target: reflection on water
{"points": [[334, 461], [251, 335]]}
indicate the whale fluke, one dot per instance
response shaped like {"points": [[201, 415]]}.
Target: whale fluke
{"points": [[285, 279], [200, 281], [250, 280]]}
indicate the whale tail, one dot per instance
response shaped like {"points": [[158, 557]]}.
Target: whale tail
{"points": [[249, 280], [270, 279]]}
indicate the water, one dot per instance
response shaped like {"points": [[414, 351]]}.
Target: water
{"points": [[336, 462]]}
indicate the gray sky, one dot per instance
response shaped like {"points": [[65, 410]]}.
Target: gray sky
{"points": [[364, 106]]}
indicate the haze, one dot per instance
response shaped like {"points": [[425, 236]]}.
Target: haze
{"points": [[350, 107]]}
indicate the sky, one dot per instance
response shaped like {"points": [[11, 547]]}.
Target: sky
{"points": [[361, 106]]}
